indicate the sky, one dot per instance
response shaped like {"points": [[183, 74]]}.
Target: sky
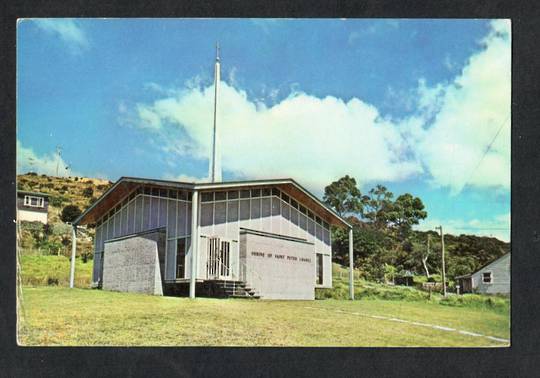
{"points": [[420, 106]]}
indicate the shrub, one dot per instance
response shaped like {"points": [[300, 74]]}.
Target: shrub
{"points": [[70, 213], [88, 192], [52, 281], [32, 174], [64, 187], [92, 200], [76, 178], [57, 201]]}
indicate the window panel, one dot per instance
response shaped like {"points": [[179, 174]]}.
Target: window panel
{"points": [[255, 192], [139, 213], [124, 220], [294, 216], [146, 213], [244, 209], [220, 196], [302, 221], [162, 212], [207, 214], [326, 236], [275, 192], [117, 219], [232, 194], [232, 211], [130, 217], [245, 194], [265, 207], [207, 196], [311, 226], [255, 208], [220, 212], [285, 211], [170, 269], [319, 231], [109, 229], [188, 216], [275, 205], [181, 219], [154, 212], [171, 218], [266, 192]]}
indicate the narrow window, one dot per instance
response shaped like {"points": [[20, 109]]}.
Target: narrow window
{"points": [[319, 268], [180, 258]]}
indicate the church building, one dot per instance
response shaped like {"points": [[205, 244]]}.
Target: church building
{"points": [[266, 239]]}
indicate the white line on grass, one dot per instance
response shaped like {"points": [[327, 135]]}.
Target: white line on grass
{"points": [[434, 326]]}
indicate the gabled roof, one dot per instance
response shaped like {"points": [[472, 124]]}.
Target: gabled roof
{"points": [[483, 266], [125, 185], [33, 193]]}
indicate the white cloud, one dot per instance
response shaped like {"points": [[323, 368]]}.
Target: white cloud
{"points": [[311, 139], [497, 227], [469, 112], [316, 140], [66, 29], [185, 178], [29, 161]]}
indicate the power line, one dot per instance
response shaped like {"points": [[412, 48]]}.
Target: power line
{"points": [[482, 228], [487, 149]]}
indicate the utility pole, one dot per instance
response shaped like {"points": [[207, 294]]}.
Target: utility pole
{"points": [[443, 265], [58, 152]]}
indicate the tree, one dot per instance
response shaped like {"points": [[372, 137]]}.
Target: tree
{"points": [[404, 213], [70, 213], [343, 196], [376, 205], [88, 192]]}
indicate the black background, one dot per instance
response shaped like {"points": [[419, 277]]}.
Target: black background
{"points": [[521, 359]]}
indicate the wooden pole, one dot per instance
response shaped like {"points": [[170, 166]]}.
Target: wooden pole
{"points": [[443, 264], [351, 265], [194, 242], [73, 254]]}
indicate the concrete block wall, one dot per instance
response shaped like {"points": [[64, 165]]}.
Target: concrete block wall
{"points": [[132, 264]]}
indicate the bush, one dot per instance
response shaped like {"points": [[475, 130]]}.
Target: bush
{"points": [[88, 192], [57, 201], [32, 174], [70, 213]]}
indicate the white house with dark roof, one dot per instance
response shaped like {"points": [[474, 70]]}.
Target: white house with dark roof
{"points": [[32, 206], [493, 278]]}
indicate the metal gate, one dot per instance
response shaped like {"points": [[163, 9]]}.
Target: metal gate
{"points": [[218, 265]]}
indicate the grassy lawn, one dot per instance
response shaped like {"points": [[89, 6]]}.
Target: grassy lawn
{"points": [[37, 270], [60, 316]]}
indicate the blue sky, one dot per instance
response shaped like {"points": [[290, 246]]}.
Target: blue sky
{"points": [[421, 106]]}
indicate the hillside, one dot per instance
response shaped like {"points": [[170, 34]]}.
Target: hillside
{"points": [[55, 238], [380, 252]]}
